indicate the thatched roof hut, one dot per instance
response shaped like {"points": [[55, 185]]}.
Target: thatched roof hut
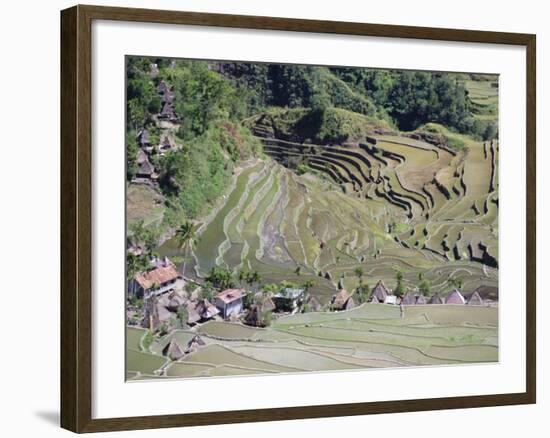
{"points": [[408, 299], [435, 299], [162, 87], [167, 112], [194, 344], [420, 300], [165, 144], [173, 350], [474, 299], [455, 297], [143, 139], [145, 168], [343, 300], [174, 301], [380, 291], [167, 97], [206, 309], [314, 304], [489, 294], [192, 315], [350, 304]]}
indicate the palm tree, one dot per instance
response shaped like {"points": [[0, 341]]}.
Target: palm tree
{"points": [[186, 236], [399, 288], [134, 265]]}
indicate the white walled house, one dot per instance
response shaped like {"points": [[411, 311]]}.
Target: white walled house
{"points": [[230, 302], [288, 299]]}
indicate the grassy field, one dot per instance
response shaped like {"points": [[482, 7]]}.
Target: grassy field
{"points": [[143, 203], [369, 336]]}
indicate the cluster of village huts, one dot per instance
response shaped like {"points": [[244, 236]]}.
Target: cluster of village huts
{"points": [[164, 296], [167, 117]]}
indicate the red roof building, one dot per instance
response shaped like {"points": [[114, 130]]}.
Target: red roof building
{"points": [[156, 281]]}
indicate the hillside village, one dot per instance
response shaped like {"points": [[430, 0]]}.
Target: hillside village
{"points": [[254, 216], [163, 300], [166, 121]]}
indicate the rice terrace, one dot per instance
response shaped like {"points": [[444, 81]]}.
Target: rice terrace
{"points": [[286, 218]]}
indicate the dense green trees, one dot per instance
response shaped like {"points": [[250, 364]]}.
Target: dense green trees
{"points": [[141, 95], [193, 177], [293, 86], [413, 98], [201, 97], [409, 98], [220, 278], [209, 109]]}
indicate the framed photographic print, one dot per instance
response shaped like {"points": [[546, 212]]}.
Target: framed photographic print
{"points": [[268, 218]]}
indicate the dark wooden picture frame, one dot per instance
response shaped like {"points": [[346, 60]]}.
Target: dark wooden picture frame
{"points": [[76, 218]]}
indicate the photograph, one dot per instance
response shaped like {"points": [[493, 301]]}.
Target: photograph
{"points": [[287, 218]]}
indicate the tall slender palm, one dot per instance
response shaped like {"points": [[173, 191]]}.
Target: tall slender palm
{"points": [[186, 237]]}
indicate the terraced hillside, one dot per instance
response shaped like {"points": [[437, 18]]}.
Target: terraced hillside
{"points": [[369, 336], [389, 203]]}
